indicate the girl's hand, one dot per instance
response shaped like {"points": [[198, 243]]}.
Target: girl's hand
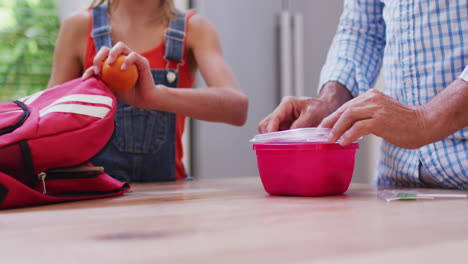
{"points": [[143, 94]]}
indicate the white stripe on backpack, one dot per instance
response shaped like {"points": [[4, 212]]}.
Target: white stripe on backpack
{"points": [[85, 98], [12, 111], [89, 110], [29, 99], [62, 105]]}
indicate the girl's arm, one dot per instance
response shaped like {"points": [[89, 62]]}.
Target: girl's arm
{"points": [[222, 100], [70, 44]]}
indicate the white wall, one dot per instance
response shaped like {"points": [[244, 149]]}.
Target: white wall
{"points": [[67, 7]]}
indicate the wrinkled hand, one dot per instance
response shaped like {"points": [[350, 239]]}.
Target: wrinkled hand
{"points": [[143, 95], [295, 112], [298, 112], [376, 113]]}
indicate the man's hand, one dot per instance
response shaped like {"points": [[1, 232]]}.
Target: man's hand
{"points": [[297, 112], [376, 113], [404, 126]]}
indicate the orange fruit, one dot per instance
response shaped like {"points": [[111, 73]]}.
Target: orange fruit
{"points": [[117, 79]]}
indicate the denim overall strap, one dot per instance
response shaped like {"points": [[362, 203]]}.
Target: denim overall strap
{"points": [[175, 36], [102, 32]]}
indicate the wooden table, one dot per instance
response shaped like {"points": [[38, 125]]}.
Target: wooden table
{"points": [[235, 221]]}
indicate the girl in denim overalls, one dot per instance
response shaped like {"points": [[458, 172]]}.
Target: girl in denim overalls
{"points": [[171, 45]]}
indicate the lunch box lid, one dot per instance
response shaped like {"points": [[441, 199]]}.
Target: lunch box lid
{"points": [[310, 134], [304, 146]]}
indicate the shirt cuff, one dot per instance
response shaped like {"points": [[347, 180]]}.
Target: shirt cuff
{"points": [[341, 71], [464, 74]]}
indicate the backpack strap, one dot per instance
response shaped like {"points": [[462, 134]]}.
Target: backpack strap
{"points": [[102, 32], [175, 37], [3, 191], [29, 177]]}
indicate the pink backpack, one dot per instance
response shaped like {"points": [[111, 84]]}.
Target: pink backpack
{"points": [[47, 141]]}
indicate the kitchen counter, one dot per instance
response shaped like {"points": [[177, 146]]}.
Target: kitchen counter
{"points": [[235, 221]]}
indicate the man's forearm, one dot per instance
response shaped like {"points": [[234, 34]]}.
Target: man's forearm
{"points": [[335, 93], [447, 112]]}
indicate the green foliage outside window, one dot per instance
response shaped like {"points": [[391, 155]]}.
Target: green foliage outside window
{"points": [[28, 31]]}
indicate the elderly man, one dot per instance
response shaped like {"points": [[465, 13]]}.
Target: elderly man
{"points": [[423, 114]]}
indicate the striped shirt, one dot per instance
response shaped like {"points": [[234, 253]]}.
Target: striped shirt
{"points": [[423, 47]]}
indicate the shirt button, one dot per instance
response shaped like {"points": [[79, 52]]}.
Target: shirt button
{"points": [[404, 25], [171, 77], [408, 81]]}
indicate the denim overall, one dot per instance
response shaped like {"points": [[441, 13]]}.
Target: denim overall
{"points": [[144, 144]]}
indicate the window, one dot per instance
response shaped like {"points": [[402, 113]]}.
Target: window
{"points": [[28, 31]]}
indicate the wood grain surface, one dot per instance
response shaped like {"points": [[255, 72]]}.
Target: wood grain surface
{"points": [[235, 221]]}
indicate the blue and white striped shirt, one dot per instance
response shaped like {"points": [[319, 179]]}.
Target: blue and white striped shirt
{"points": [[423, 47]]}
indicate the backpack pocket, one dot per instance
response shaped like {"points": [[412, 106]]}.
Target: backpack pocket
{"points": [[13, 115], [75, 181]]}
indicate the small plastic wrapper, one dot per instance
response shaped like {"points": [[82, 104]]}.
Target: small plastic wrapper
{"points": [[413, 195], [311, 134]]}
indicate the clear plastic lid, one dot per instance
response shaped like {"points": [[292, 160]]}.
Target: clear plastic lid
{"points": [[311, 134]]}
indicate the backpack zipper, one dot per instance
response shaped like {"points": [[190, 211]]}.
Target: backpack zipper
{"points": [[81, 172], [42, 176]]}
